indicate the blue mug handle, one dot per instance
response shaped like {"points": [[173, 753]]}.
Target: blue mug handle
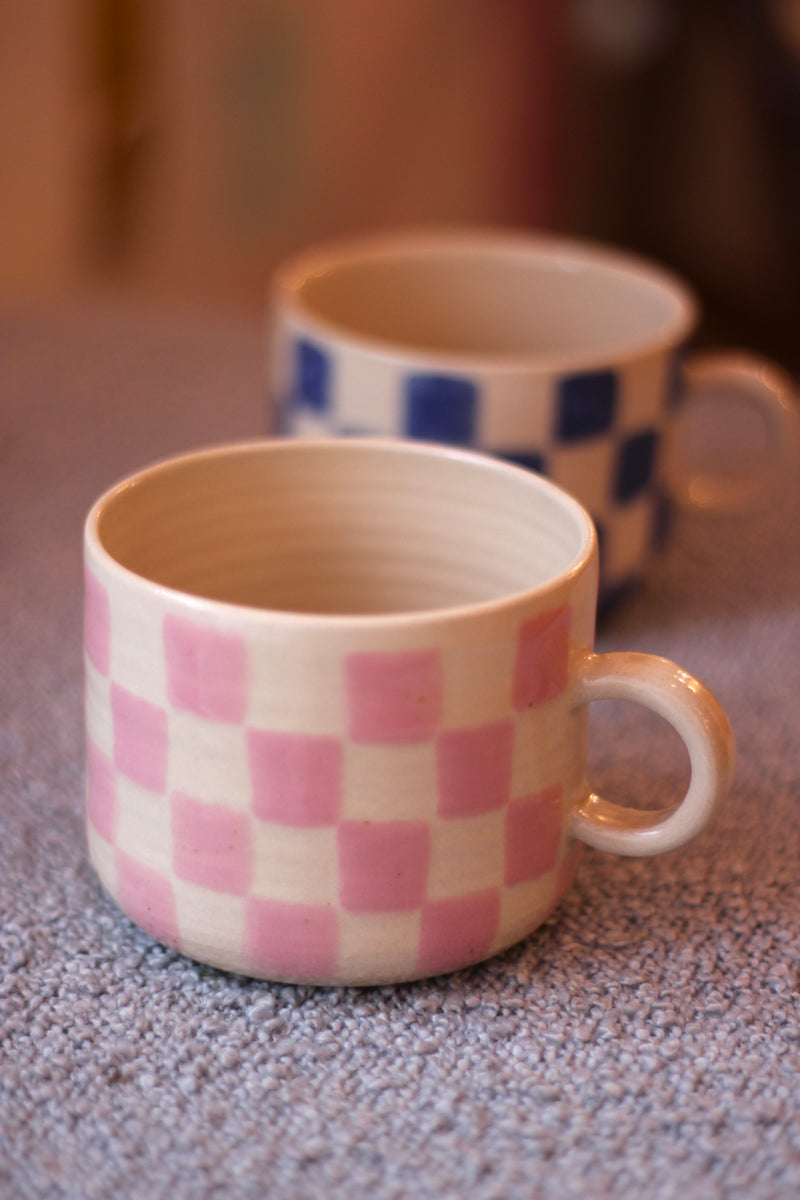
{"points": [[717, 378]]}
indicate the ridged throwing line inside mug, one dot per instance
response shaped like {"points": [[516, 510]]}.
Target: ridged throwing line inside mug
{"points": [[304, 532]]}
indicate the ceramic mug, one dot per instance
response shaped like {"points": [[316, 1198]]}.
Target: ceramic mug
{"points": [[557, 355], [337, 707]]}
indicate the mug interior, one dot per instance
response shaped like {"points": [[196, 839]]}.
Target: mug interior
{"points": [[491, 296], [342, 527]]}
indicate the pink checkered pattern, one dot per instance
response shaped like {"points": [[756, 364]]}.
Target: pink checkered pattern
{"points": [[266, 849]]}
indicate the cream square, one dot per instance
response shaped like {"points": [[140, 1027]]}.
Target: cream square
{"points": [[280, 367], [303, 423], [210, 924], [643, 387], [378, 946], [297, 866], [101, 855], [628, 540], [296, 684], [516, 411], [144, 825], [99, 724], [479, 678], [367, 394], [137, 647], [208, 760], [523, 907], [585, 469], [546, 747], [466, 855], [389, 783], [583, 603]]}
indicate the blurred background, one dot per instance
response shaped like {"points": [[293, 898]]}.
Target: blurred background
{"points": [[179, 148]]}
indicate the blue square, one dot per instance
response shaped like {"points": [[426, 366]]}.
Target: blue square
{"points": [[612, 595], [530, 459], [635, 464], [313, 377], [602, 542], [586, 405], [441, 408]]}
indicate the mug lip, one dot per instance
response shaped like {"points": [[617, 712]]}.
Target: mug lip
{"points": [[95, 550], [290, 276]]}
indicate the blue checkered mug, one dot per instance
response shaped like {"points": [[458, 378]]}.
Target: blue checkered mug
{"points": [[562, 356]]}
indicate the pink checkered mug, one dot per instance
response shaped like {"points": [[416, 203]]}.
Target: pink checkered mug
{"points": [[337, 701]]}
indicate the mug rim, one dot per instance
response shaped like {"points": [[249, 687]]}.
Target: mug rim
{"points": [[323, 257], [94, 548]]}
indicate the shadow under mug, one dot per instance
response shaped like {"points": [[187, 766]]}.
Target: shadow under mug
{"points": [[557, 355], [337, 699]]}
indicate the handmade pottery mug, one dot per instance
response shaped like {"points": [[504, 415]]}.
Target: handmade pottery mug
{"points": [[557, 355], [337, 707]]}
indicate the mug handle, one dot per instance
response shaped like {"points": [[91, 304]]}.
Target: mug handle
{"points": [[690, 708], [770, 391]]}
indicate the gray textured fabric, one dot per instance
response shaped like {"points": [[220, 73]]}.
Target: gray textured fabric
{"points": [[646, 1042]]}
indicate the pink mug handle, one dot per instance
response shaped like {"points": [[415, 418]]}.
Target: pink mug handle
{"points": [[693, 711]]}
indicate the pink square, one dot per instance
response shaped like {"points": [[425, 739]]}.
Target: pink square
{"points": [[211, 845], [533, 835], [474, 768], [394, 698], [96, 623], [206, 670], [291, 941], [140, 739], [455, 933], [101, 791], [147, 898], [383, 865], [540, 671], [296, 777]]}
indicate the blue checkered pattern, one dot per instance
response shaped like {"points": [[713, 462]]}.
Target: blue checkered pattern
{"points": [[585, 436]]}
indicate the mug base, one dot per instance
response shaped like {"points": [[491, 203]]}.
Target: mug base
{"points": [[135, 890]]}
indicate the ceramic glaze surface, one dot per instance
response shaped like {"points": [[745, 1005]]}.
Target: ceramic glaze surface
{"points": [[289, 780]]}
